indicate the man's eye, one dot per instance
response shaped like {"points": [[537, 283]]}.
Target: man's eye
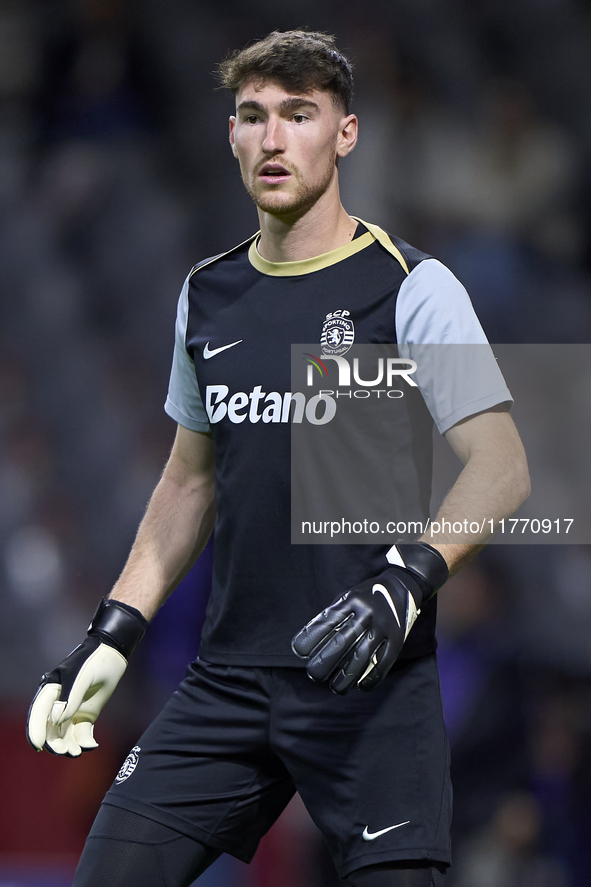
{"points": [[299, 118], [252, 118]]}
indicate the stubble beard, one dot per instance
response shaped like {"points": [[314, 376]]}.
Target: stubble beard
{"points": [[304, 196]]}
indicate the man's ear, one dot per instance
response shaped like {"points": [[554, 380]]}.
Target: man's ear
{"points": [[232, 128], [347, 138]]}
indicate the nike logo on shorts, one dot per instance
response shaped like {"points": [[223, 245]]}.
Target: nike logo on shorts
{"points": [[211, 352], [371, 836]]}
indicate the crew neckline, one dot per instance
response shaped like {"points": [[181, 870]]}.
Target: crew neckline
{"points": [[307, 266]]}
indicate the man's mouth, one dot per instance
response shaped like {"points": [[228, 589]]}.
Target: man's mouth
{"points": [[274, 174]]}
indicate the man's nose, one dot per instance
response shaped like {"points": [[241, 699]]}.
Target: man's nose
{"points": [[274, 141]]}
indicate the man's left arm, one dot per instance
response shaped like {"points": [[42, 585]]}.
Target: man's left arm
{"points": [[356, 641], [492, 485]]}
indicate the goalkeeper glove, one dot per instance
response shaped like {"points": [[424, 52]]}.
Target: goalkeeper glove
{"points": [[71, 697], [359, 637]]}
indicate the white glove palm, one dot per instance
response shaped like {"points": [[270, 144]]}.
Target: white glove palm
{"points": [[71, 697], [63, 723]]}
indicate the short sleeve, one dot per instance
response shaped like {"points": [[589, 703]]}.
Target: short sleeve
{"points": [[184, 403], [436, 326]]}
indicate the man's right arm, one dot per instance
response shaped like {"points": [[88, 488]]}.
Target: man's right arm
{"points": [[175, 528]]}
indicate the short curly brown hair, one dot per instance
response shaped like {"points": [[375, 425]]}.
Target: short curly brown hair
{"points": [[299, 61]]}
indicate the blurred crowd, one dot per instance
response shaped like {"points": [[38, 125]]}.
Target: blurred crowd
{"points": [[115, 178]]}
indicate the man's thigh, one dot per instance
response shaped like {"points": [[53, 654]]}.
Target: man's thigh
{"points": [[372, 768], [125, 849], [402, 874], [204, 766]]}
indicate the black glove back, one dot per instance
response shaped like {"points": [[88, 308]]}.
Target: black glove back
{"points": [[359, 637], [357, 640]]}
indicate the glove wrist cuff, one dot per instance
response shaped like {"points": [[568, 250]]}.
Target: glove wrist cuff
{"points": [[118, 625], [425, 563]]}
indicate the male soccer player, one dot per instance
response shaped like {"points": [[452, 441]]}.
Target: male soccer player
{"points": [[247, 727]]}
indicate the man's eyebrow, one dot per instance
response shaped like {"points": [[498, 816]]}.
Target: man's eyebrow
{"points": [[291, 104], [250, 105], [297, 102]]}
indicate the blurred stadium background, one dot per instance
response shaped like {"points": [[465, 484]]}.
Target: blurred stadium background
{"points": [[115, 178]]}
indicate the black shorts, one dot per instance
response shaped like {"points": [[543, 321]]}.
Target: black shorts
{"points": [[227, 752]]}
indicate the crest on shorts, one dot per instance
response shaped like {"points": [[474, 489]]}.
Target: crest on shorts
{"points": [[338, 333], [129, 764]]}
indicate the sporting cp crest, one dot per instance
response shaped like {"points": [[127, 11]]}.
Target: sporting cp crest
{"points": [[338, 333], [129, 764]]}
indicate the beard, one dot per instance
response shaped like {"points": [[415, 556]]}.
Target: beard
{"points": [[298, 201]]}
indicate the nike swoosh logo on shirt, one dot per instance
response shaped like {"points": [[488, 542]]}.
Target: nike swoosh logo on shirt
{"points": [[211, 352], [371, 836]]}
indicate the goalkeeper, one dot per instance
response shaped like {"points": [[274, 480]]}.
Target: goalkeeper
{"points": [[363, 741]]}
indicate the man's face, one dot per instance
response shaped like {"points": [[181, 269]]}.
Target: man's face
{"points": [[287, 145]]}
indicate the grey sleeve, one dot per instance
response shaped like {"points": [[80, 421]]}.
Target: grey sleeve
{"points": [[437, 327], [184, 403]]}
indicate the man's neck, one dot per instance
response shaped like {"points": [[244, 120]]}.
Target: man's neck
{"points": [[320, 230]]}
